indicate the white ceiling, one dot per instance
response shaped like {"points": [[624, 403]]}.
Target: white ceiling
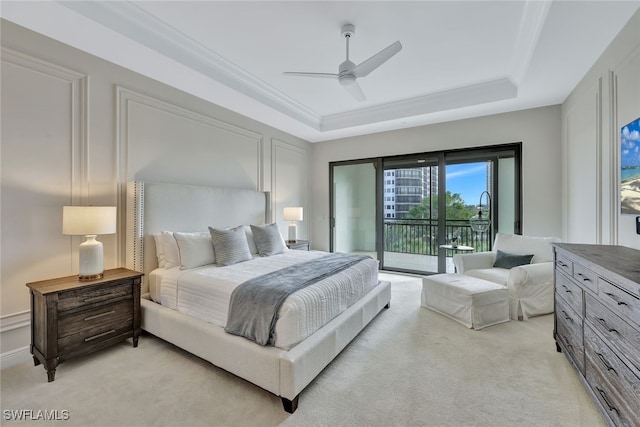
{"points": [[459, 59]]}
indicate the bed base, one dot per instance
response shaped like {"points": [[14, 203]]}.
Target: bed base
{"points": [[284, 373]]}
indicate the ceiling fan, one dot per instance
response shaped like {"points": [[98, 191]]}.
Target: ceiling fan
{"points": [[348, 72]]}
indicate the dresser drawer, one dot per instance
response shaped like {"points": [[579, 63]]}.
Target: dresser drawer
{"points": [[620, 302], [569, 333], [585, 277], [119, 312], [564, 264], [622, 337], [610, 379], [95, 296], [569, 292]]}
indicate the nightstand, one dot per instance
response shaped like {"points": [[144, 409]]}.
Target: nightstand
{"points": [[70, 318], [300, 245]]}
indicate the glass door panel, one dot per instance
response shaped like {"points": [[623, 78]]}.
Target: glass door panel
{"points": [[353, 208], [410, 215]]}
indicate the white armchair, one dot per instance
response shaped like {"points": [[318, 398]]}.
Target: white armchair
{"points": [[530, 286]]}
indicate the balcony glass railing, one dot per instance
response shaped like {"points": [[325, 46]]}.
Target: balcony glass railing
{"points": [[420, 236]]}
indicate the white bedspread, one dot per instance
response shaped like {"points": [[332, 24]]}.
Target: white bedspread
{"points": [[204, 293]]}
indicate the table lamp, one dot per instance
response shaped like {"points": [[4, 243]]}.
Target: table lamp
{"points": [[89, 221], [292, 214]]}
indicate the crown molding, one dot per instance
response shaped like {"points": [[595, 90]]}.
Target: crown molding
{"points": [[133, 22], [533, 20], [481, 93]]}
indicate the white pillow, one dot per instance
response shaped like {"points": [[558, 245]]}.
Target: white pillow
{"points": [[195, 249], [250, 240], [159, 249], [170, 249]]}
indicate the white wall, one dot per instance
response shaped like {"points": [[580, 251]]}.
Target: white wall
{"points": [[76, 128], [539, 130], [607, 98]]}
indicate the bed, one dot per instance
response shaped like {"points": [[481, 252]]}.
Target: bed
{"points": [[284, 368]]}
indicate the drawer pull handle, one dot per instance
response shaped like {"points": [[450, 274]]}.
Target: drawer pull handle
{"points": [[562, 264], [613, 297], [98, 298], [606, 401], [584, 278], [566, 316], [99, 335], [95, 316], [606, 365], [567, 290], [604, 323]]}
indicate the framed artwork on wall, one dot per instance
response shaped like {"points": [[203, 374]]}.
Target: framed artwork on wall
{"points": [[630, 168]]}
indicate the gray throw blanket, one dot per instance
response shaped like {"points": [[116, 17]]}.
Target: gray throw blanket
{"points": [[254, 304]]}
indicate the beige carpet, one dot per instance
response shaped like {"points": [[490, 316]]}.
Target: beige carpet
{"points": [[410, 367]]}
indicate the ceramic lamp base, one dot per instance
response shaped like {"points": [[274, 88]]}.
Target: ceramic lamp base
{"points": [[91, 265], [293, 231]]}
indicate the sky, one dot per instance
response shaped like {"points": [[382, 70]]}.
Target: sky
{"points": [[630, 144], [469, 179]]}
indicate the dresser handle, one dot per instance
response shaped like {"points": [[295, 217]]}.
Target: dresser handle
{"points": [[567, 290], [99, 335], [562, 264], [604, 323], [606, 365], [99, 315], [567, 342], [604, 397], [566, 316], [584, 278], [613, 297]]}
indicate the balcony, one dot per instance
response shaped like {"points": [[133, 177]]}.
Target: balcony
{"points": [[414, 244]]}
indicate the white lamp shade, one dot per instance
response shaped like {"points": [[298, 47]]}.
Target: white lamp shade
{"points": [[88, 220], [293, 214]]}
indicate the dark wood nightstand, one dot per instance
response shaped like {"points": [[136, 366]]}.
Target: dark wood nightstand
{"points": [[70, 318], [300, 245]]}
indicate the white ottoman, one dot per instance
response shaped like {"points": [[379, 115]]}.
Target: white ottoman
{"points": [[474, 302]]}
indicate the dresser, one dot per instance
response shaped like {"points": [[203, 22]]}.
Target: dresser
{"points": [[597, 324], [70, 318]]}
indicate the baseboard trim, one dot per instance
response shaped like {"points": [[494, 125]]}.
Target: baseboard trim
{"points": [[14, 357]]}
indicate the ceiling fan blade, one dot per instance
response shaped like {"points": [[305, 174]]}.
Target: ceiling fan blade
{"points": [[354, 89], [302, 74], [364, 68]]}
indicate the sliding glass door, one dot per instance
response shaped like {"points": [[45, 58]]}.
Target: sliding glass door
{"points": [[413, 212]]}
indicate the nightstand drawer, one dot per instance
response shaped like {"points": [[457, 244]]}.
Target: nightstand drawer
{"points": [[95, 296], [87, 339], [86, 320]]}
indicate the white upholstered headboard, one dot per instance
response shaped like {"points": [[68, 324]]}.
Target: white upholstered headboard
{"points": [[154, 207]]}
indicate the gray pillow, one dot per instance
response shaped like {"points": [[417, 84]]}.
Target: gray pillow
{"points": [[507, 260], [230, 246], [268, 239]]}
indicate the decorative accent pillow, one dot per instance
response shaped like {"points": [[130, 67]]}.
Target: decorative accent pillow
{"points": [[170, 248], [230, 246], [195, 249], [159, 249], [507, 260], [268, 239]]}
